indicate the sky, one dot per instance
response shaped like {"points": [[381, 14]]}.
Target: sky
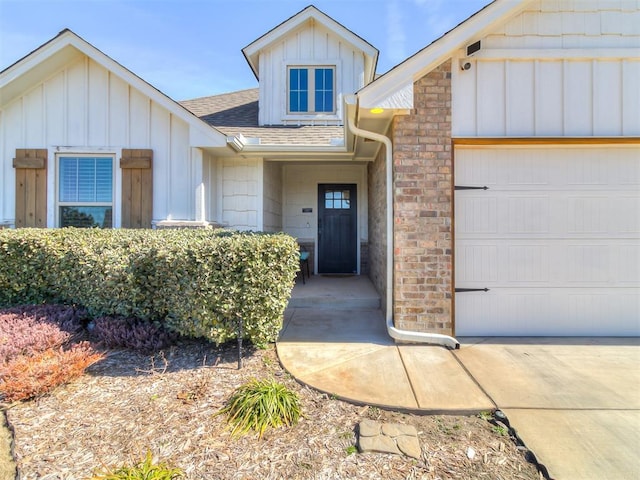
{"points": [[192, 48]]}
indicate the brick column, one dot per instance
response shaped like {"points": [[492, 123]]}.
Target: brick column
{"points": [[423, 176]]}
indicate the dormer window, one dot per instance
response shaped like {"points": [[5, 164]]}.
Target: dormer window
{"points": [[311, 90]]}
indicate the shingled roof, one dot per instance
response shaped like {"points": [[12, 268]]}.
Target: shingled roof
{"points": [[237, 113]]}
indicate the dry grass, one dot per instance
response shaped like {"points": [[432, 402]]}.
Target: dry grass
{"points": [[128, 403]]}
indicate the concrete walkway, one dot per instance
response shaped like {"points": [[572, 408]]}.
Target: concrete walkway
{"points": [[574, 402], [347, 353]]}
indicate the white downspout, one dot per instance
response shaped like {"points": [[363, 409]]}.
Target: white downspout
{"points": [[395, 333]]}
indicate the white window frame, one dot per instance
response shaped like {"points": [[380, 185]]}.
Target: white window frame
{"points": [[56, 193], [311, 113]]}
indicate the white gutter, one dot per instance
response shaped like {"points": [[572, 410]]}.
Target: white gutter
{"points": [[395, 333]]}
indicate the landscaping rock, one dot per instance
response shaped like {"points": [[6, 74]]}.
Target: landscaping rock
{"points": [[397, 429], [369, 428], [380, 444], [391, 438], [410, 446]]}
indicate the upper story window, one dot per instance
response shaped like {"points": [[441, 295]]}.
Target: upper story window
{"points": [[311, 90], [85, 191]]}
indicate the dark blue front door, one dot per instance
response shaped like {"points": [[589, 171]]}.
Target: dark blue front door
{"points": [[337, 229]]}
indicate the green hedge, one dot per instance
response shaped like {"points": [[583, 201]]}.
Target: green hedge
{"points": [[197, 282]]}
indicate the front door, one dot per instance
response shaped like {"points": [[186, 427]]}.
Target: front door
{"points": [[337, 229]]}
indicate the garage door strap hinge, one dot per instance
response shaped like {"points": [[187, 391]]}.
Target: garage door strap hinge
{"points": [[465, 290], [465, 187]]}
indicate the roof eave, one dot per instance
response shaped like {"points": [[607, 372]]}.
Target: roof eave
{"points": [[436, 53], [206, 133]]}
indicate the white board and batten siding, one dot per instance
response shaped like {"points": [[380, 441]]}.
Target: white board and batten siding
{"points": [[560, 68], [556, 236], [272, 203], [312, 45], [555, 239], [85, 108]]}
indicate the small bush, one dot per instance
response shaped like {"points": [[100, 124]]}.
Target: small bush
{"points": [[145, 470], [29, 376], [132, 333], [259, 405], [199, 282], [31, 329]]}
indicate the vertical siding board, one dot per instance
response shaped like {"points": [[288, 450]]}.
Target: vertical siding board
{"points": [[33, 117], [54, 110], [578, 98], [139, 112], [97, 104], [160, 140], [631, 95], [520, 107], [463, 102], [118, 112], [76, 104], [491, 101], [549, 98], [607, 91], [180, 177]]}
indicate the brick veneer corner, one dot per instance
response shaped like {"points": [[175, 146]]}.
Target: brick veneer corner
{"points": [[423, 176]]}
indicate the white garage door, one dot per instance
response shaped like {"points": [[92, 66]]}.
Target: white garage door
{"points": [[555, 238]]}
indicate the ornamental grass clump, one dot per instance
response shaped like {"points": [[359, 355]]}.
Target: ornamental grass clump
{"points": [[145, 470], [261, 404]]}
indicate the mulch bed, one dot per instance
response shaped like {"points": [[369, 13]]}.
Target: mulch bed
{"points": [[130, 403]]}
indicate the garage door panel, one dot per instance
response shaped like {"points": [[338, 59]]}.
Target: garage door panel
{"points": [[480, 214], [511, 312], [556, 239], [547, 262], [625, 215], [526, 214], [626, 264], [588, 214]]}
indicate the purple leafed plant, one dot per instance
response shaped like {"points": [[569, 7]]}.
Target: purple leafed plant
{"points": [[28, 330], [132, 333]]}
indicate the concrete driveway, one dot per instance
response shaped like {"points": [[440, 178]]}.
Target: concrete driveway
{"points": [[574, 402]]}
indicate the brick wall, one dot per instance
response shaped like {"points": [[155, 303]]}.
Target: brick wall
{"points": [[377, 186], [364, 258], [423, 176]]}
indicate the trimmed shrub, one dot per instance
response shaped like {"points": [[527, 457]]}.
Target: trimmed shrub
{"points": [[261, 404], [199, 282], [31, 329], [132, 333], [29, 376]]}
